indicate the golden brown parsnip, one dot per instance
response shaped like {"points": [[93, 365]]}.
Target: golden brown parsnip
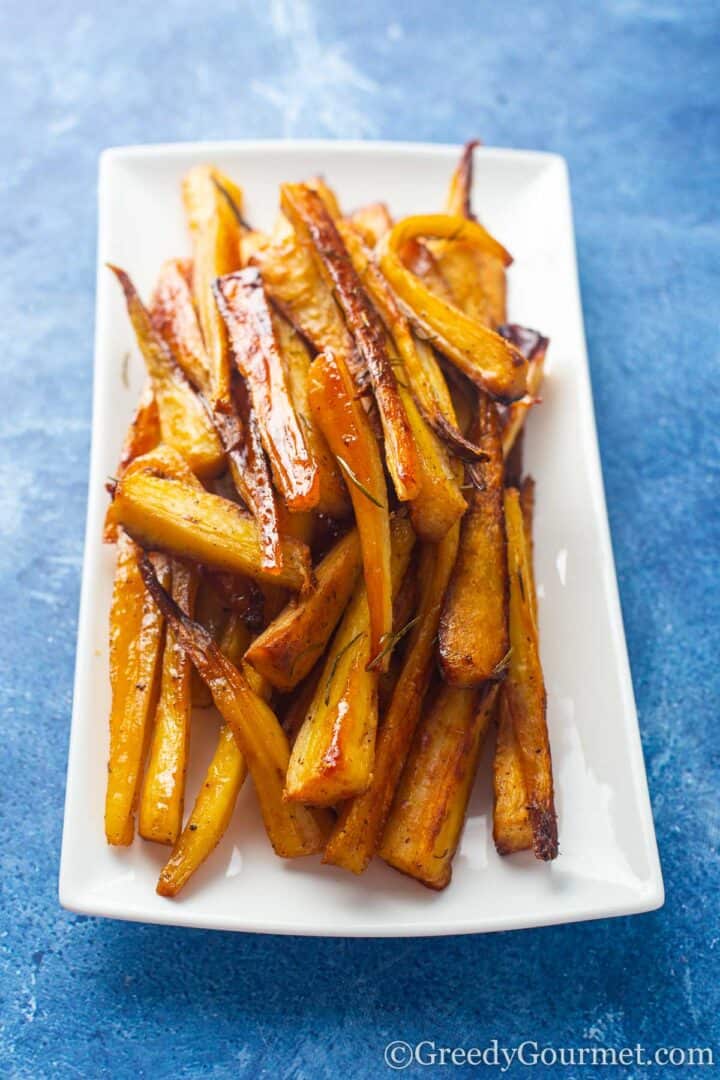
{"points": [[313, 223], [210, 815], [294, 641], [361, 821], [511, 824], [343, 421], [524, 687], [173, 315], [333, 754], [248, 318], [333, 498], [535, 347], [473, 641], [163, 793], [428, 814], [293, 830], [212, 204], [137, 634], [167, 512], [142, 436], [371, 222], [487, 359], [184, 423]]}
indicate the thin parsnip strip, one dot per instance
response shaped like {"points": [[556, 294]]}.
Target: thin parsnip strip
{"points": [[314, 225], [332, 758], [345, 425], [162, 509], [458, 200], [473, 640], [210, 815], [184, 423], [293, 830], [163, 793], [293, 642], [487, 359], [248, 318], [209, 198], [524, 688], [137, 635], [173, 314], [333, 498], [511, 823], [223, 780], [428, 814], [534, 346], [361, 821]]}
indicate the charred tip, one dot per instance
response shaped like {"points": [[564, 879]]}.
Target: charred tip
{"points": [[544, 828], [529, 343]]}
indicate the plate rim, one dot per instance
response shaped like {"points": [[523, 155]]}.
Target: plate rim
{"points": [[72, 896]]}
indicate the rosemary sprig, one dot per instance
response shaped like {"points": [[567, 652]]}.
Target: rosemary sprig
{"points": [[502, 665], [336, 661], [360, 486], [389, 641]]}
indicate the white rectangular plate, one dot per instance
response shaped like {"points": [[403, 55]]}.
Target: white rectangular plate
{"points": [[608, 863]]}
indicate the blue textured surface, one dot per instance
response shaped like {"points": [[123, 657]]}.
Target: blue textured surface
{"points": [[628, 91]]}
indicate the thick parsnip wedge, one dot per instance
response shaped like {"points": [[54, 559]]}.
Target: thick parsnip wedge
{"points": [[511, 823], [428, 814], [333, 754], [296, 285], [137, 635], [174, 316], [524, 688], [293, 642], [293, 830], [164, 510], [248, 318], [371, 222], [473, 641], [184, 423], [142, 436], [361, 821], [534, 346], [333, 498], [486, 358], [345, 425], [212, 206], [163, 793], [210, 815], [314, 225]]}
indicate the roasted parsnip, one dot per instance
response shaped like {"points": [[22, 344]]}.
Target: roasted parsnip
{"points": [[168, 512], [361, 820], [524, 688], [174, 316], [511, 823], [314, 225], [486, 358], [473, 640], [294, 641], [137, 635], [212, 204], [343, 421], [293, 829], [142, 436], [371, 222], [163, 793], [333, 754], [184, 423], [428, 814], [534, 346], [248, 318]]}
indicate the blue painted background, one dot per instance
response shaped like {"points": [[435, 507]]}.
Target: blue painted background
{"points": [[628, 91]]}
